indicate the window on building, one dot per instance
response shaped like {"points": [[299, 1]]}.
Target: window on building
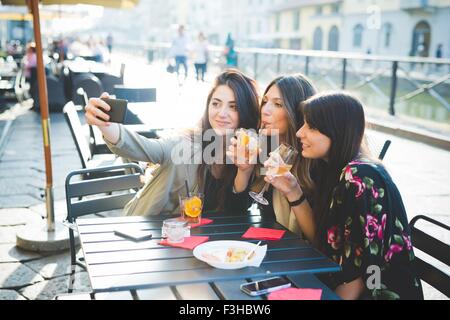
{"points": [[335, 8], [295, 44], [358, 35], [296, 20], [319, 10], [259, 26], [387, 34], [333, 39], [317, 40]]}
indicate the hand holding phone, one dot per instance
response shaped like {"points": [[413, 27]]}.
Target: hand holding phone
{"points": [[260, 287], [118, 109]]}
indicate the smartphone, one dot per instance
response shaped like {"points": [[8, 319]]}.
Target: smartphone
{"points": [[118, 110], [260, 287], [135, 235]]}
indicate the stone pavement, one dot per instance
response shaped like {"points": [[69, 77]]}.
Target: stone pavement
{"points": [[420, 171]]}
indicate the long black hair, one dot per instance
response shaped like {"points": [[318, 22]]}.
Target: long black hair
{"points": [[294, 89], [340, 117], [246, 95]]}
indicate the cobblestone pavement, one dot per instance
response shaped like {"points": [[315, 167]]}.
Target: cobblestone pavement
{"points": [[420, 171]]}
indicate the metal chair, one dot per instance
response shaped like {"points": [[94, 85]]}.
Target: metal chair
{"points": [[88, 160], [109, 81], [90, 84], [435, 248], [76, 190], [56, 96], [96, 142], [135, 94]]}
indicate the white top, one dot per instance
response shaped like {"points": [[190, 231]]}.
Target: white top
{"points": [[180, 46], [201, 52]]}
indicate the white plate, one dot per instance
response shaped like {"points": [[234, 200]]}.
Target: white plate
{"points": [[218, 250]]}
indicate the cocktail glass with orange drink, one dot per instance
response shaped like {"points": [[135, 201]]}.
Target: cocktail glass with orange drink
{"points": [[191, 207], [247, 145]]}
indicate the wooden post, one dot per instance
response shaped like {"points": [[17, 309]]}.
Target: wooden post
{"points": [[43, 105]]}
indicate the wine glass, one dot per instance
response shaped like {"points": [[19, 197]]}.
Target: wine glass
{"points": [[281, 161]]}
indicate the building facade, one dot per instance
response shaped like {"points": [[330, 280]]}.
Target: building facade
{"points": [[396, 27], [307, 25], [385, 27]]}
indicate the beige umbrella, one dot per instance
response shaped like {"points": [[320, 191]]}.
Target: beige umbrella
{"points": [[53, 239], [123, 4]]}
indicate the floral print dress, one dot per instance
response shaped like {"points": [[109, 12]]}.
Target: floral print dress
{"points": [[367, 233]]}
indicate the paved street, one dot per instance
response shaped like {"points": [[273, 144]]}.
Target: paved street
{"points": [[421, 172]]}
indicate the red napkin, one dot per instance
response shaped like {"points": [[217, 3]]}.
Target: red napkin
{"points": [[295, 294], [263, 234], [188, 243], [202, 222]]}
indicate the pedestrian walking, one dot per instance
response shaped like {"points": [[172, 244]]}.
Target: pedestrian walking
{"points": [[230, 52], [109, 42], [179, 50], [201, 56]]}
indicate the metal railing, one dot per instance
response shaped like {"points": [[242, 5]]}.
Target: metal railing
{"points": [[392, 80]]}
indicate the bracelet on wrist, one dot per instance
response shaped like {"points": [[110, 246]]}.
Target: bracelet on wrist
{"points": [[297, 202]]}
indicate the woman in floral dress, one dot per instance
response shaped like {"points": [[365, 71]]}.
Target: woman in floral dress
{"points": [[359, 218]]}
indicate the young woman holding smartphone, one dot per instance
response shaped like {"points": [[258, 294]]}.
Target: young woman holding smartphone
{"points": [[233, 102]]}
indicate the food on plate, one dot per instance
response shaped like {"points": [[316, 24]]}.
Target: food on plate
{"points": [[227, 255], [236, 254]]}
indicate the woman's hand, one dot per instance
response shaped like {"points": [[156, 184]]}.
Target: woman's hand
{"points": [[286, 183], [95, 114], [244, 164]]}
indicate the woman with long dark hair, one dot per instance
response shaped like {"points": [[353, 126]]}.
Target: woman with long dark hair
{"points": [[233, 102], [279, 120], [359, 219]]}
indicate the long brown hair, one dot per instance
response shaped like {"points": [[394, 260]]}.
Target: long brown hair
{"points": [[340, 117], [246, 96], [294, 90]]}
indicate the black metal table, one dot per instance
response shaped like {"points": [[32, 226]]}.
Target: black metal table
{"points": [[148, 270]]}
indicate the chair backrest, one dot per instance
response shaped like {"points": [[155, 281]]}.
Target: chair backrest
{"points": [[77, 131], [109, 81], [91, 139], [135, 94], [435, 248], [55, 96], [383, 151], [76, 190], [90, 84]]}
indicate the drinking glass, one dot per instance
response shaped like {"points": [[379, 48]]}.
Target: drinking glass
{"points": [[281, 161], [191, 207], [247, 145]]}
